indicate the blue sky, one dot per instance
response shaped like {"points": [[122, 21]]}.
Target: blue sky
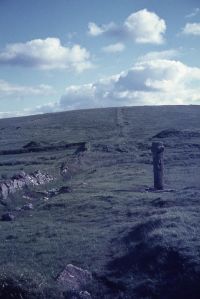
{"points": [[73, 54]]}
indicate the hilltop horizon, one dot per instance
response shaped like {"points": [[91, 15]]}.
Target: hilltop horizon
{"points": [[96, 108]]}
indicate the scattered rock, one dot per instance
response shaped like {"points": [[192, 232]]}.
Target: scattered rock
{"points": [[63, 189], [18, 176], [26, 197], [54, 192], [28, 206], [67, 170], [18, 209], [7, 217], [75, 278]]}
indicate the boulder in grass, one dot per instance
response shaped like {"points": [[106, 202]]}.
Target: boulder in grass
{"points": [[7, 217], [4, 190], [74, 278], [28, 206], [85, 295]]}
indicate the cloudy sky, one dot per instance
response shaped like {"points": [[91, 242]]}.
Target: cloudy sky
{"points": [[74, 54]]}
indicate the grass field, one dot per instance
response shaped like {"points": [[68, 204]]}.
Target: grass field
{"points": [[138, 243]]}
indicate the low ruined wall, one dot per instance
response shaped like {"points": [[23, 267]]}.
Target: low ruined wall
{"points": [[21, 180]]}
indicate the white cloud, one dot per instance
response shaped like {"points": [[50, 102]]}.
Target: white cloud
{"points": [[46, 54], [114, 48], [142, 26], [148, 82], [167, 54], [191, 29], [9, 89], [94, 30], [145, 27], [156, 81], [195, 12]]}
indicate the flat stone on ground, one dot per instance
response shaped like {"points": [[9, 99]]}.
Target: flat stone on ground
{"points": [[74, 278]]}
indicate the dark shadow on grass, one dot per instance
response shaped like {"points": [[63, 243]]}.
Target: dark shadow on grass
{"points": [[153, 270]]}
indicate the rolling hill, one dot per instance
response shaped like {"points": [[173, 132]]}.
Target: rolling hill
{"points": [[76, 188]]}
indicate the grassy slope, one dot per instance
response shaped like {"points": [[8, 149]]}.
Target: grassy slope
{"points": [[140, 244]]}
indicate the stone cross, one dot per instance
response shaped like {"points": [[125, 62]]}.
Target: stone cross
{"points": [[158, 164]]}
